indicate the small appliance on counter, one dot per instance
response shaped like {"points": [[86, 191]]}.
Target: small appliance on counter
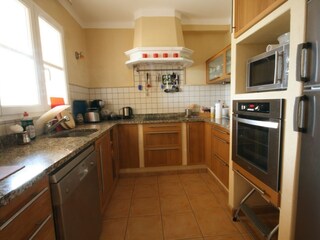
{"points": [[126, 112], [79, 108], [92, 115]]}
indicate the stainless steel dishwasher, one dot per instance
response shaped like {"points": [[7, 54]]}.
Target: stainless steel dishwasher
{"points": [[75, 197]]}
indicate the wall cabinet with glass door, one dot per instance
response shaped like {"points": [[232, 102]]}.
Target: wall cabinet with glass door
{"points": [[218, 67]]}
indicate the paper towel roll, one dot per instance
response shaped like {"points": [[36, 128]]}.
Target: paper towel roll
{"points": [[218, 110]]}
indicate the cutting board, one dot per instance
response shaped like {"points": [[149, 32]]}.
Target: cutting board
{"points": [[6, 171]]}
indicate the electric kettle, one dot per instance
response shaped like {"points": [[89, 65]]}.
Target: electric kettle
{"points": [[127, 112]]}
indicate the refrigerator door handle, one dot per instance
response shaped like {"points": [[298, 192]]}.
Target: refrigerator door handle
{"points": [[303, 62], [300, 120]]}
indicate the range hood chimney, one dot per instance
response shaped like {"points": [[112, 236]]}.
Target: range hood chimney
{"points": [[159, 40]]}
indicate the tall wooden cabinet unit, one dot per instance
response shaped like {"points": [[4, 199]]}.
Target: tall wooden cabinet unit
{"points": [[220, 144], [248, 12], [195, 143], [29, 216], [128, 142], [105, 168], [162, 144]]}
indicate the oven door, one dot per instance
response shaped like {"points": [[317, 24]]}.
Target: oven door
{"points": [[256, 147]]}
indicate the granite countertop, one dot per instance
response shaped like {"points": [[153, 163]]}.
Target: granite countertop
{"points": [[46, 154]]}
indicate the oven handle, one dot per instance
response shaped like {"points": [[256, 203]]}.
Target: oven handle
{"points": [[258, 123]]}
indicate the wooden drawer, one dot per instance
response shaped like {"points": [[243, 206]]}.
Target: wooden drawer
{"points": [[221, 170], [162, 139], [27, 213], [221, 132], [220, 148], [46, 230], [160, 127], [163, 157]]}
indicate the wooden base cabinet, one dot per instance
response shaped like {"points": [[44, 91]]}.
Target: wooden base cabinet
{"points": [[29, 216], [105, 169], [128, 142], [195, 143], [162, 144], [220, 145]]}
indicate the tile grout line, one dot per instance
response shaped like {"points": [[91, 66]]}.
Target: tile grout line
{"points": [[192, 210], [131, 199], [162, 224]]}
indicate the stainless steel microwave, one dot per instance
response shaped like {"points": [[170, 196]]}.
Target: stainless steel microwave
{"points": [[268, 71]]}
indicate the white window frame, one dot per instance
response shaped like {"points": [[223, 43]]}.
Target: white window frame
{"points": [[15, 112]]}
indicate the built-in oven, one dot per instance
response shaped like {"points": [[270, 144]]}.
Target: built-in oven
{"points": [[256, 141]]}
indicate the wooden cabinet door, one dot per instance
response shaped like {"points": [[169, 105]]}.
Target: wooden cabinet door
{"points": [[195, 134], [114, 139], [207, 144], [248, 12], [128, 146], [102, 147]]}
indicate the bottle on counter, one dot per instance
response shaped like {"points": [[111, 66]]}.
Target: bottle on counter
{"points": [[27, 125], [212, 112], [218, 109]]}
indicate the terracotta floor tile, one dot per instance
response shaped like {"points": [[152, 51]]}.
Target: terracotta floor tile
{"points": [[123, 192], [174, 178], [118, 208], [180, 226], [143, 191], [190, 177], [114, 229], [171, 189], [144, 228], [147, 180], [226, 237], [203, 202], [222, 197], [196, 188], [175, 204], [127, 181], [145, 207], [215, 222]]}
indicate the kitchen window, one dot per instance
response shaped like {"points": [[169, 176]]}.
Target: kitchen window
{"points": [[32, 59]]}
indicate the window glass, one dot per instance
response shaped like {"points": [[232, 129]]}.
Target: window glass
{"points": [[18, 84], [15, 26], [18, 78], [50, 43]]}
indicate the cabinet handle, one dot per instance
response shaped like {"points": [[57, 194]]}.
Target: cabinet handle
{"points": [[40, 227], [262, 192], [220, 139], [21, 210], [220, 131], [221, 160]]}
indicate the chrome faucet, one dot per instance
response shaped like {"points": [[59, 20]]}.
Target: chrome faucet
{"points": [[50, 126]]}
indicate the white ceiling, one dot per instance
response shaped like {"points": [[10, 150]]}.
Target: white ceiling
{"points": [[121, 13]]}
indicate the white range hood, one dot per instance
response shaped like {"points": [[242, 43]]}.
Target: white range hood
{"points": [[159, 40]]}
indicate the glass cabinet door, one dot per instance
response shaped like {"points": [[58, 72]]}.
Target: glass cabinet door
{"points": [[228, 61], [215, 68]]}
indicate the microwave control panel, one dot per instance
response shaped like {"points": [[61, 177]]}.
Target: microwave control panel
{"points": [[254, 107]]}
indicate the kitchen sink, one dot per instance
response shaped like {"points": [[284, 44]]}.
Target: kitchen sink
{"points": [[74, 133]]}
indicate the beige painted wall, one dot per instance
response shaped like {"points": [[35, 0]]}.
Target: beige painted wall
{"points": [[205, 44], [74, 40], [106, 58]]}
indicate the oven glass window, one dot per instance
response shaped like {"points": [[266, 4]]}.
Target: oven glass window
{"points": [[253, 142], [262, 71]]}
